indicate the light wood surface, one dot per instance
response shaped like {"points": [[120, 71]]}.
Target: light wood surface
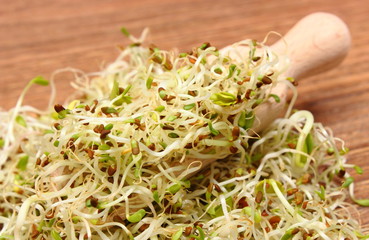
{"points": [[40, 36]]}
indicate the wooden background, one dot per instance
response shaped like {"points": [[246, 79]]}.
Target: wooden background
{"points": [[40, 36]]}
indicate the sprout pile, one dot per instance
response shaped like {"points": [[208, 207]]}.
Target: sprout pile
{"points": [[159, 145]]}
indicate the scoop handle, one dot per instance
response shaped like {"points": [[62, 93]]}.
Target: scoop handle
{"points": [[317, 43]]}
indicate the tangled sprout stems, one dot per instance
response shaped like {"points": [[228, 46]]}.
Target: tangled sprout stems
{"points": [[119, 162]]}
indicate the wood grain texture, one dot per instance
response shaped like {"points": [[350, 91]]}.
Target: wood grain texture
{"points": [[40, 36]]}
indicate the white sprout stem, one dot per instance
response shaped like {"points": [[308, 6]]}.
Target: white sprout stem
{"points": [[309, 121]]}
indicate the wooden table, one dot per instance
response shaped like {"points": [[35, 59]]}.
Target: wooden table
{"points": [[40, 36]]}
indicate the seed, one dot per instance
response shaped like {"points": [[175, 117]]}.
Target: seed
{"points": [[304, 204], [299, 198], [168, 64], [203, 136], [292, 191], [274, 221], [157, 59], [44, 163], [167, 127], [89, 152], [217, 188], [135, 147], [57, 126], [233, 149], [98, 128], [259, 84], [259, 197], [191, 145], [58, 108], [34, 232], [112, 169], [94, 107], [111, 179], [117, 218], [255, 59], [306, 178], [264, 213], [168, 98], [323, 184], [93, 201], [248, 93], [295, 231], [266, 80], [192, 93], [210, 187], [38, 161], [192, 59], [151, 147], [242, 203], [70, 145], [341, 173], [205, 45], [144, 227], [235, 132], [187, 231], [49, 214], [291, 145], [104, 133]]}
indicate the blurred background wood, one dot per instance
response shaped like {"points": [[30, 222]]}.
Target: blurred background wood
{"points": [[40, 36]]}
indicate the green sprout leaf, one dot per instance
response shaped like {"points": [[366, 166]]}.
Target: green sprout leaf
{"points": [[246, 120], [289, 234], [189, 106], [160, 108], [232, 67], [248, 211], [22, 163], [109, 126], [362, 202], [55, 235], [213, 131], [177, 235], [276, 98], [40, 81], [223, 98], [174, 188], [348, 182], [2, 142], [104, 147], [123, 97], [173, 135], [172, 118], [137, 216], [358, 169], [149, 82], [321, 194], [115, 90], [267, 186], [20, 120], [125, 32], [155, 195]]}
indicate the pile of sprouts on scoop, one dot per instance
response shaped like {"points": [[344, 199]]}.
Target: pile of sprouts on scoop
{"points": [[159, 145]]}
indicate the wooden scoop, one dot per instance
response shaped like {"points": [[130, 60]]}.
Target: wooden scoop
{"points": [[317, 43]]}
